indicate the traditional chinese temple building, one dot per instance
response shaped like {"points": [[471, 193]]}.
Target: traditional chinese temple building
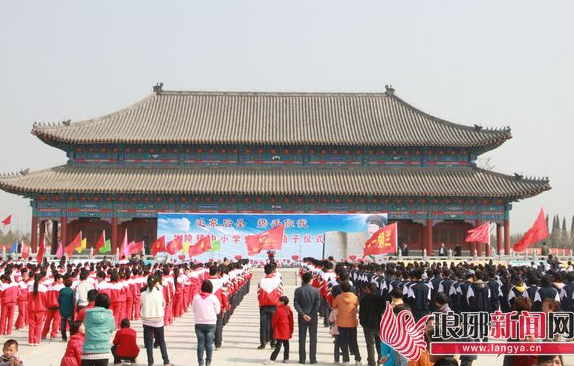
{"points": [[182, 151]]}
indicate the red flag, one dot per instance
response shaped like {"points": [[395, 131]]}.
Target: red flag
{"points": [[25, 251], [7, 221], [41, 249], [76, 243], [480, 234], [101, 242], [383, 241], [270, 239], [202, 246], [175, 245], [538, 231], [158, 246], [135, 248]]}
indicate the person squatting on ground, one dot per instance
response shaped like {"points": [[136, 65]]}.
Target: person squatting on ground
{"points": [[125, 345]]}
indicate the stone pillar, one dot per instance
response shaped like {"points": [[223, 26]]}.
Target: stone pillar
{"points": [[114, 234], [499, 239], [507, 237], [429, 237], [54, 237], [42, 240], [34, 233]]}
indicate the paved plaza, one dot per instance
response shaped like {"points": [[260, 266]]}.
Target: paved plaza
{"points": [[241, 338]]}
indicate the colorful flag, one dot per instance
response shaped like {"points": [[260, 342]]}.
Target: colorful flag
{"points": [[202, 246], [106, 248], [75, 244], [538, 231], [25, 251], [175, 245], [14, 248], [101, 243], [60, 251], [215, 246], [480, 234], [123, 245], [382, 241], [270, 239], [158, 246], [7, 221], [83, 246]]}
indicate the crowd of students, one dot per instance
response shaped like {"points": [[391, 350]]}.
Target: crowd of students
{"points": [[348, 294], [91, 301]]}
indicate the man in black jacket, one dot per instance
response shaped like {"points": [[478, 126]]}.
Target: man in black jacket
{"points": [[307, 301], [371, 309]]}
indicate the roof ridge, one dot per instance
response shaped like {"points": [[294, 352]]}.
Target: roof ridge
{"points": [[444, 121]]}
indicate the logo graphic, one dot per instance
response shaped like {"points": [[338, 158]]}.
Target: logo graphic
{"points": [[402, 334]]}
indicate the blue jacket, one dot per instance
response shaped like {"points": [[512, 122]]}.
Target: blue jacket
{"points": [[100, 324]]}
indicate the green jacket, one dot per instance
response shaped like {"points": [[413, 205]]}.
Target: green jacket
{"points": [[100, 324], [66, 302]]}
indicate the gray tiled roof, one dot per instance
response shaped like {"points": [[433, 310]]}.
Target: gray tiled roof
{"points": [[465, 182], [359, 119]]}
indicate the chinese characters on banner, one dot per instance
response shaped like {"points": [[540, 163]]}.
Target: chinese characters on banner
{"points": [[303, 234]]}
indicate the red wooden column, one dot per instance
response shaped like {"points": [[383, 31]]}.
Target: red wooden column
{"points": [[64, 230], [507, 237], [499, 234], [42, 239], [114, 235], [34, 233], [429, 237], [478, 245], [54, 237]]}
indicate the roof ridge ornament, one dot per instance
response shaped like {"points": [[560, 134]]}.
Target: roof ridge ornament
{"points": [[518, 176], [158, 88], [477, 127], [67, 122], [25, 171], [389, 89]]}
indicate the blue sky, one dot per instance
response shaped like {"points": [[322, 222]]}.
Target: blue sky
{"points": [[493, 63]]}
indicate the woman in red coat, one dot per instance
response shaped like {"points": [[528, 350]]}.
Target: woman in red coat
{"points": [[282, 323], [73, 355]]}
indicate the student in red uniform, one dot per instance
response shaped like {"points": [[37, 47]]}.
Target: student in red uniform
{"points": [[92, 294], [128, 283], [9, 292], [137, 285], [73, 355], [179, 293], [269, 290], [283, 324], [125, 345], [23, 284], [53, 312], [117, 298], [36, 309]]}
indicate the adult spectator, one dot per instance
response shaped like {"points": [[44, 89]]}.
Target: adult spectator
{"points": [[82, 290], [347, 323], [405, 250], [99, 323], [371, 308], [307, 302], [153, 311], [206, 306]]}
